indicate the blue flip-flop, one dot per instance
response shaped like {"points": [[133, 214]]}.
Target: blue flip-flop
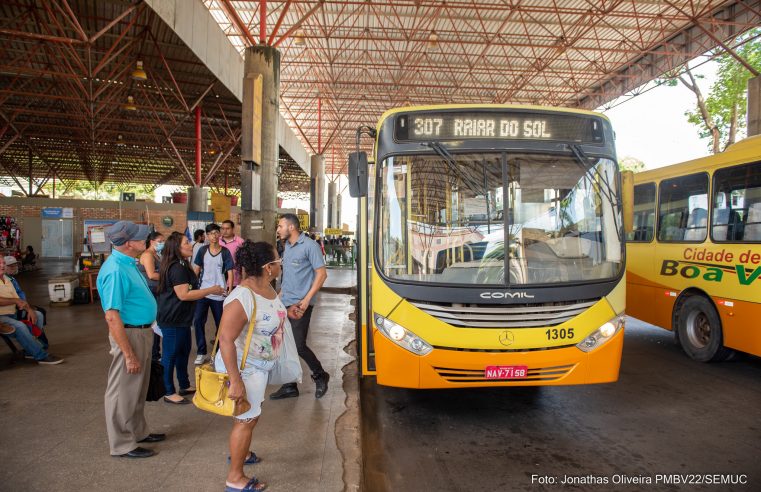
{"points": [[251, 459], [253, 485]]}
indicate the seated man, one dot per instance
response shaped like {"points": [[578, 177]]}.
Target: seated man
{"points": [[10, 302], [11, 268]]}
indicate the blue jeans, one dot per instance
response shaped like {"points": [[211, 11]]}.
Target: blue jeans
{"points": [[24, 336], [176, 351], [199, 321]]}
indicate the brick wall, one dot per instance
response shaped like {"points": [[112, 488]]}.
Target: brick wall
{"points": [[148, 212]]}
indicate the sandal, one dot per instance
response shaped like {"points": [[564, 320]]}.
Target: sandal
{"points": [[253, 485], [251, 459]]}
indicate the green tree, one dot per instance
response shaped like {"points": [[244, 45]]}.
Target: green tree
{"points": [[720, 116], [631, 164], [105, 191]]}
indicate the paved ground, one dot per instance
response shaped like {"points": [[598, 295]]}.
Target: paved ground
{"points": [[667, 414], [52, 429]]}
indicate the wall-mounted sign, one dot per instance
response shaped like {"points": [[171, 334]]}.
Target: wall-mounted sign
{"points": [[220, 204], [57, 213], [167, 221]]}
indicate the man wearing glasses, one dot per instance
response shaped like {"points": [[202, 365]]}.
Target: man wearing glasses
{"points": [[214, 265]]}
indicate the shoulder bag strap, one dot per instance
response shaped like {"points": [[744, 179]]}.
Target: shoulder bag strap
{"points": [[250, 331], [248, 336]]}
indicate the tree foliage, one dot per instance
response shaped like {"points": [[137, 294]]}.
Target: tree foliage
{"points": [[631, 164], [106, 191], [721, 116]]}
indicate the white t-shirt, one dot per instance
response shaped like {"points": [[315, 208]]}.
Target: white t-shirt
{"points": [[268, 328], [212, 273]]}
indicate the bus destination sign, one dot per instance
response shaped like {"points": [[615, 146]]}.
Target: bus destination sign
{"points": [[497, 125]]}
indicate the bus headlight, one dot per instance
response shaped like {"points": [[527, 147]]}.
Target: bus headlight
{"points": [[601, 335], [402, 336]]}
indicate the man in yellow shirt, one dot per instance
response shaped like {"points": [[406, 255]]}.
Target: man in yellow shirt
{"points": [[10, 302]]}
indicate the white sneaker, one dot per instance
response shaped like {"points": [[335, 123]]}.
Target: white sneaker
{"points": [[200, 359]]}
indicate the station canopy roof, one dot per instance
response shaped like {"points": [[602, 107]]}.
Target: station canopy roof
{"points": [[67, 66]]}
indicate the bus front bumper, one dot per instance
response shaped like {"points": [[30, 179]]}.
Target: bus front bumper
{"points": [[443, 368]]}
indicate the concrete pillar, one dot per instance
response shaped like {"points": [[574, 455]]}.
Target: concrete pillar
{"points": [[339, 224], [332, 204], [259, 122], [198, 199], [317, 194], [754, 106]]}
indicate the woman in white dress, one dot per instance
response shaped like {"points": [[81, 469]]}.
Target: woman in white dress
{"points": [[255, 293]]}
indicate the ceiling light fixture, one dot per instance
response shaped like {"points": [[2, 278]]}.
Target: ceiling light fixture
{"points": [[299, 38], [433, 39], [138, 73], [130, 104]]}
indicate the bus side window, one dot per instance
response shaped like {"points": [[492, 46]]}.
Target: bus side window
{"points": [[737, 203], [753, 224], [683, 208], [644, 213]]}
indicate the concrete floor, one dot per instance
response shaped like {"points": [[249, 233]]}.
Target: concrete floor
{"points": [[52, 428], [667, 414]]}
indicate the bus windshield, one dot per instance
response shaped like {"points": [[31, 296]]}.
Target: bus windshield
{"points": [[468, 218]]}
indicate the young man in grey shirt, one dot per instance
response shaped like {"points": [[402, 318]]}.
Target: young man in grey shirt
{"points": [[303, 274]]}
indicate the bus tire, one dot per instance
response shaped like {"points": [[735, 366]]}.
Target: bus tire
{"points": [[699, 331]]}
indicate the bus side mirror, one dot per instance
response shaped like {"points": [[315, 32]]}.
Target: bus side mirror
{"points": [[358, 174], [627, 197]]}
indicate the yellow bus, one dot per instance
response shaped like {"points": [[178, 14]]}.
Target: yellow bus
{"points": [[694, 259], [491, 247]]}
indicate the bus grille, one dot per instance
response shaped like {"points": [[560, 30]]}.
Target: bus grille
{"points": [[501, 316], [477, 375]]}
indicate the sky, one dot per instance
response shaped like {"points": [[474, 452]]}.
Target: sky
{"points": [[653, 127]]}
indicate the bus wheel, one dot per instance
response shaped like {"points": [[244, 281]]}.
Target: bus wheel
{"points": [[699, 331]]}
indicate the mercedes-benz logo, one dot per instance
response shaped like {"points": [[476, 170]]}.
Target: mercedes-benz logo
{"points": [[506, 338]]}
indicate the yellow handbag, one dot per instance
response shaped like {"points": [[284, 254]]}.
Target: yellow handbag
{"points": [[211, 386]]}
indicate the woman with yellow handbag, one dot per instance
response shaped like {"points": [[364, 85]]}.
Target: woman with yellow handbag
{"points": [[247, 355]]}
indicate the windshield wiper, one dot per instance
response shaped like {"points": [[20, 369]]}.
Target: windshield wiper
{"points": [[583, 161], [444, 153]]}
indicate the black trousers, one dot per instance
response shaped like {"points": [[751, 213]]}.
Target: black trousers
{"points": [[300, 331]]}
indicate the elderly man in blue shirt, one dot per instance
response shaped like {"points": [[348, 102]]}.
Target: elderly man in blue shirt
{"points": [[303, 275], [130, 310]]}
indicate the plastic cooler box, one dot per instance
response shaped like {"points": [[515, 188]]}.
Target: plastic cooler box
{"points": [[61, 288]]}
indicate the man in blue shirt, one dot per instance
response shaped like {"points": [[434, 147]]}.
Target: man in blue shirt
{"points": [[303, 275], [130, 310]]}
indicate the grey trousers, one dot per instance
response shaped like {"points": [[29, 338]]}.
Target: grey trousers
{"points": [[125, 393]]}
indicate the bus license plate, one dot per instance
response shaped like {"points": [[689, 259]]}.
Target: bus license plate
{"points": [[505, 372]]}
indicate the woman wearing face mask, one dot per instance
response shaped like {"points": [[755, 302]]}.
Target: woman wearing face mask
{"points": [[149, 267]]}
